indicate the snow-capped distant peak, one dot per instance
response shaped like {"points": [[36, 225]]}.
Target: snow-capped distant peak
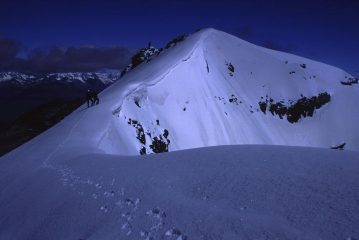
{"points": [[16, 76], [25, 79]]}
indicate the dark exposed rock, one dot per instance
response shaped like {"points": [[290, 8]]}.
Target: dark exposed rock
{"points": [[263, 106], [303, 107], [137, 103], [160, 144], [165, 133], [143, 151], [143, 55], [350, 81], [230, 69], [176, 40], [303, 65], [278, 108], [291, 72], [175, 231], [233, 99], [139, 130], [339, 147]]}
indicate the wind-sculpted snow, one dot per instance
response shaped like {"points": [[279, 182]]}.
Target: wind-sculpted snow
{"points": [[350, 81], [233, 192]]}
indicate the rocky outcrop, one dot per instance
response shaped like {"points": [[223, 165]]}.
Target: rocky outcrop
{"points": [[301, 108]]}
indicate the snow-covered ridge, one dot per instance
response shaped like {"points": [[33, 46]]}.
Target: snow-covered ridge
{"points": [[210, 89], [19, 77], [26, 79], [215, 89]]}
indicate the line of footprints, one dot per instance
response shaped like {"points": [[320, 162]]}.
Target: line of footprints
{"points": [[127, 207]]}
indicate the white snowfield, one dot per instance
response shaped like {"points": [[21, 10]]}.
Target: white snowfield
{"points": [[227, 192], [81, 180]]}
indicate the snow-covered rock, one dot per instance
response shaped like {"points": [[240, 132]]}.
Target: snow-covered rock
{"points": [[20, 78], [144, 55]]}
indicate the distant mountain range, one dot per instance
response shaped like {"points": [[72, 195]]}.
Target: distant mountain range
{"points": [[35, 102], [17, 78], [21, 92]]}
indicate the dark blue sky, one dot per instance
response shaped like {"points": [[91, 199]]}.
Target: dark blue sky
{"points": [[324, 30]]}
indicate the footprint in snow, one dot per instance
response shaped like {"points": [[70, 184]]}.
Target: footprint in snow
{"points": [[122, 191], [158, 217], [132, 203], [95, 195], [156, 213], [127, 216], [146, 235], [127, 228], [104, 209], [107, 194], [175, 234]]}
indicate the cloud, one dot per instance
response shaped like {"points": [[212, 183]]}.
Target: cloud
{"points": [[70, 59], [81, 59], [9, 48]]}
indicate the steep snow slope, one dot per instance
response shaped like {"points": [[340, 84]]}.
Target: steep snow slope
{"points": [[201, 102], [207, 91], [226, 192]]}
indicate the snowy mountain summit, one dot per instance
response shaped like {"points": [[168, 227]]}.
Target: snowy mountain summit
{"points": [[84, 178], [215, 89]]}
